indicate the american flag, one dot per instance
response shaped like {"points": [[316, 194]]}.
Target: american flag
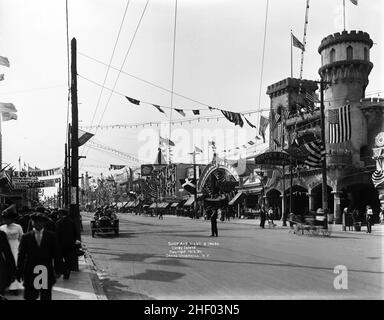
{"points": [[339, 124], [275, 119], [233, 117], [316, 153]]}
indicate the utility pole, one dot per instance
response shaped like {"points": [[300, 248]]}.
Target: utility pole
{"points": [[324, 160], [195, 178], [74, 204], [65, 178]]}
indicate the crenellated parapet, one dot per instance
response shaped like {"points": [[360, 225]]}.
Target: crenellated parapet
{"points": [[345, 36]]}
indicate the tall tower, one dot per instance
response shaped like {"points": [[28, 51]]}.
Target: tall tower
{"points": [[345, 64]]}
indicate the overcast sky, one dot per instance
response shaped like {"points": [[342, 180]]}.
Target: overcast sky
{"points": [[218, 53]]}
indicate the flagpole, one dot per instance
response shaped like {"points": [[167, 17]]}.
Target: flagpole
{"points": [[195, 178], [324, 157], [291, 57], [344, 13]]}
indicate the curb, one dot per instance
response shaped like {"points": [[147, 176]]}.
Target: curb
{"points": [[96, 282]]}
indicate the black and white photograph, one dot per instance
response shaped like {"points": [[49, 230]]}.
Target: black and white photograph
{"points": [[191, 150]]}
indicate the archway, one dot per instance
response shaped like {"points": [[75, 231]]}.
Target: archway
{"points": [[300, 203], [273, 199], [317, 198], [358, 196]]}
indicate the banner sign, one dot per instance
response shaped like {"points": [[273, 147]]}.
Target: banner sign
{"points": [[35, 184], [37, 173]]}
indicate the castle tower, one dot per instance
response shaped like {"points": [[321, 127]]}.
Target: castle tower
{"points": [[345, 64]]}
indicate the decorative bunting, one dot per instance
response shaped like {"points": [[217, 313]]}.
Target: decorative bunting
{"points": [[158, 108], [180, 111], [233, 117], [250, 124], [134, 101], [251, 143], [196, 112]]}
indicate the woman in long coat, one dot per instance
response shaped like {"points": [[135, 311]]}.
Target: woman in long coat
{"points": [[7, 264]]}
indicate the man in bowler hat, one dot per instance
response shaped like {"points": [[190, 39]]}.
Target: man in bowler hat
{"points": [[39, 261]]}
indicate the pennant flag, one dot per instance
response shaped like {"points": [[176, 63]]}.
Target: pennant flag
{"points": [[251, 143], [296, 43], [198, 150], [7, 107], [250, 124], [116, 166], [233, 117], [166, 142], [2, 77], [339, 124], [4, 61], [262, 126], [181, 112], [210, 108], [259, 138], [83, 137], [6, 116], [160, 157], [354, 2], [158, 108], [196, 111], [134, 101]]}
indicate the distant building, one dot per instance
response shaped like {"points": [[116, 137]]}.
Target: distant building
{"points": [[346, 65]]}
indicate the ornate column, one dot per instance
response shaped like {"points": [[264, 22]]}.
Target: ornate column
{"points": [[311, 200], [378, 175], [336, 207]]}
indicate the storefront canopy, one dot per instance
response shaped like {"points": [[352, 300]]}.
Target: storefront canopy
{"points": [[174, 205]]}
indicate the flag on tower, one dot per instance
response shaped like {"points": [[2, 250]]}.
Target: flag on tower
{"points": [[296, 43]]}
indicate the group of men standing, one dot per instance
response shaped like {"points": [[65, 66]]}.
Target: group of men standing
{"points": [[36, 258]]}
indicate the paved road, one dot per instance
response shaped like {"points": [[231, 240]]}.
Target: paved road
{"points": [[244, 262]]}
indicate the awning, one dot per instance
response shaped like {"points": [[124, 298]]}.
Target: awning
{"points": [[153, 205], [174, 205], [235, 199]]}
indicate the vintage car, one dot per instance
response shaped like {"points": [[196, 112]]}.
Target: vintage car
{"points": [[104, 223]]}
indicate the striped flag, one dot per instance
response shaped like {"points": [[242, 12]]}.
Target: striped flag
{"points": [[4, 61], [233, 117], [339, 124], [316, 153]]}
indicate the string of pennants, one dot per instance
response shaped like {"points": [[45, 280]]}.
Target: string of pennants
{"points": [[234, 117]]}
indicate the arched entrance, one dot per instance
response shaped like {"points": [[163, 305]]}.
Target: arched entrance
{"points": [[317, 198], [273, 199], [300, 203], [358, 196]]}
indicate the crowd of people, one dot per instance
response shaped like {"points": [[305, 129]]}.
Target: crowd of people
{"points": [[36, 243]]}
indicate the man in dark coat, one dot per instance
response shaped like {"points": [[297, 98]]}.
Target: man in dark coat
{"points": [[39, 260], [68, 237], [214, 224], [263, 217], [7, 264]]}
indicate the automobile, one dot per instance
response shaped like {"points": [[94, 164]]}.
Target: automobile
{"points": [[104, 222]]}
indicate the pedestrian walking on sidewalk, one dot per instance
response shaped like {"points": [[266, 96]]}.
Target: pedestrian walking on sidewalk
{"points": [[369, 217], [14, 233], [214, 223], [7, 264], [68, 238], [38, 248], [263, 217]]}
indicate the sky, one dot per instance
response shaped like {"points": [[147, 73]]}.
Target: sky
{"points": [[214, 57]]}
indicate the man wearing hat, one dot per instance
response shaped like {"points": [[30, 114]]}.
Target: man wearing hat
{"points": [[39, 260], [68, 239]]}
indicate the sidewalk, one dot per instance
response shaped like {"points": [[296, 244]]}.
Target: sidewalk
{"points": [[376, 228], [82, 285]]}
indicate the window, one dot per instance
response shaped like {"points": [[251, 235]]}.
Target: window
{"points": [[366, 53], [349, 53], [332, 55]]}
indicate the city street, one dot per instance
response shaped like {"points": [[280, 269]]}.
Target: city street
{"points": [[244, 262]]}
